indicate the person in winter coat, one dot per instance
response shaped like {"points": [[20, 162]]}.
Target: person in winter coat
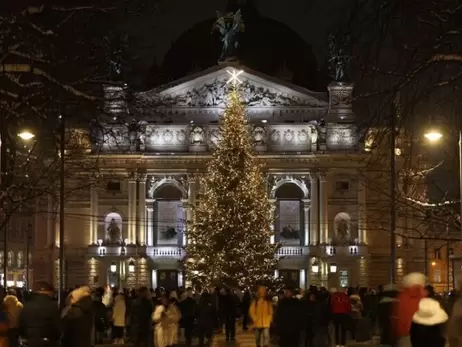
{"points": [[341, 309], [166, 317], [384, 314], [118, 319], [454, 331], [356, 313], [289, 320], [229, 305], [261, 313], [406, 306], [39, 321], [207, 319], [245, 306], [427, 327], [141, 318], [309, 303], [188, 313], [13, 309], [77, 319]]}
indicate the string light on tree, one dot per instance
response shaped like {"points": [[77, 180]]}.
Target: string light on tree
{"points": [[230, 241], [234, 77]]}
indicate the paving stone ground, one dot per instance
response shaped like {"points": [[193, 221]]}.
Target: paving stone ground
{"points": [[247, 339]]}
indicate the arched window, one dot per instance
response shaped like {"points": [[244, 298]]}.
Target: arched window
{"points": [[289, 223], [168, 215], [20, 260], [10, 258]]}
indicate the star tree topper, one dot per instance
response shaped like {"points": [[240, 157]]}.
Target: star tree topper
{"points": [[234, 77]]}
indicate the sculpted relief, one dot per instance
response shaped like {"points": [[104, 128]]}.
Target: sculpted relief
{"points": [[214, 95]]}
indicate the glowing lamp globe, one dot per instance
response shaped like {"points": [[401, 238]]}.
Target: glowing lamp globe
{"points": [[433, 136], [113, 267], [26, 135], [315, 268], [333, 268]]}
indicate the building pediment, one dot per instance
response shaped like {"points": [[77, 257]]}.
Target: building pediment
{"points": [[209, 89]]}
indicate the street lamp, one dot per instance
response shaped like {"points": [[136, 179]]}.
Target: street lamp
{"points": [[434, 136], [26, 135], [113, 267], [333, 268]]}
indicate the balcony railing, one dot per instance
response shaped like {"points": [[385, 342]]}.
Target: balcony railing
{"points": [[287, 251]]}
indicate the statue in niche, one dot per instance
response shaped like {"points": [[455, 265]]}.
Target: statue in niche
{"points": [[113, 232], [339, 59], [290, 233], [169, 233], [342, 231], [229, 25]]}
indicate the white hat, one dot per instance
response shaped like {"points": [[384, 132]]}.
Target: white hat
{"points": [[414, 279], [429, 313]]}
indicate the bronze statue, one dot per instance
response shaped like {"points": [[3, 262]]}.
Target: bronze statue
{"points": [[339, 59], [113, 232], [229, 25]]}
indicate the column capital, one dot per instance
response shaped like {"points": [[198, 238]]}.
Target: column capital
{"points": [[132, 176], [313, 176], [150, 209], [322, 175], [141, 177]]}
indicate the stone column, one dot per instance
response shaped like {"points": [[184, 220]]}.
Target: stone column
{"points": [[141, 240], [94, 216], [314, 209], [323, 208], [131, 235], [273, 215], [362, 229], [190, 204], [186, 220], [306, 221], [150, 224]]}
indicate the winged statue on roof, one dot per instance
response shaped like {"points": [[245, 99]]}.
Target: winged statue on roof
{"points": [[229, 25]]}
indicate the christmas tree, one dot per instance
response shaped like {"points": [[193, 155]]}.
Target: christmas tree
{"points": [[229, 243]]}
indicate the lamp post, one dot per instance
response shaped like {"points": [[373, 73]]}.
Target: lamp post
{"points": [[24, 135], [62, 135], [28, 235], [434, 136]]}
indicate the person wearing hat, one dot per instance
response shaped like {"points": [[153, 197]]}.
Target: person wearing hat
{"points": [[427, 328], [39, 322], [406, 306], [289, 319], [384, 314]]}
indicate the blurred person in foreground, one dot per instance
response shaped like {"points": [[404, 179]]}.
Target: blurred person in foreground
{"points": [[454, 331], [140, 318], [406, 306], [261, 314], [77, 319], [39, 321], [427, 328], [13, 309], [289, 319]]}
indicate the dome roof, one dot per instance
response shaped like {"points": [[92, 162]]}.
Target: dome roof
{"points": [[266, 45]]}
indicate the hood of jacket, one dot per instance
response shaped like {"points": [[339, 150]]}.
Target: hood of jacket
{"points": [[81, 298], [10, 301]]}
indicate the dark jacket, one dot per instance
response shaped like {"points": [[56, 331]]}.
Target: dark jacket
{"points": [[384, 317], [141, 317], [289, 316], [40, 321], [229, 305], [206, 313], [188, 311], [77, 321], [427, 335]]}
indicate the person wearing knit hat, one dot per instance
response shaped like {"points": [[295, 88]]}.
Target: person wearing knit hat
{"points": [[407, 305], [428, 324]]}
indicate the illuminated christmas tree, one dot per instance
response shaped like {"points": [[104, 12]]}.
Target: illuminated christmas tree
{"points": [[229, 243]]}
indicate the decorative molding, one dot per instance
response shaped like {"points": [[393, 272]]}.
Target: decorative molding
{"points": [[214, 94]]}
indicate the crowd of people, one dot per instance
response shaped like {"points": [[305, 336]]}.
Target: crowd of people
{"points": [[409, 316]]}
